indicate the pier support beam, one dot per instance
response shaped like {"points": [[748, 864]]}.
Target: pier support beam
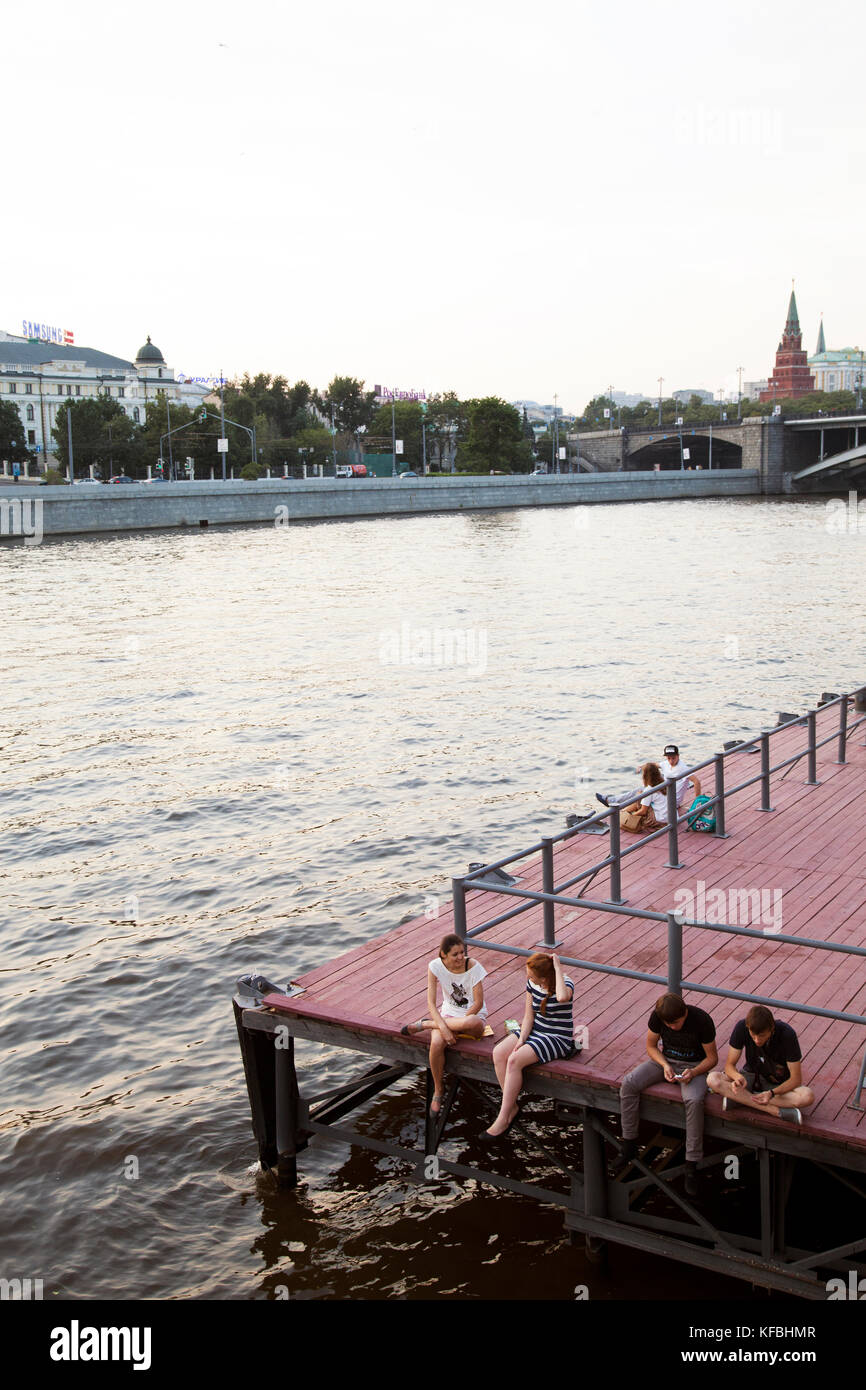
{"points": [[286, 1100], [594, 1184]]}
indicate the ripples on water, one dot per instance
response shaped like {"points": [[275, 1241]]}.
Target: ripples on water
{"points": [[200, 731]]}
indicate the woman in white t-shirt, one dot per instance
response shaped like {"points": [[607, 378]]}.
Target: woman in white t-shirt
{"points": [[462, 1011]]}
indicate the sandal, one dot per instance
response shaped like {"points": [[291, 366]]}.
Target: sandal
{"points": [[410, 1029]]}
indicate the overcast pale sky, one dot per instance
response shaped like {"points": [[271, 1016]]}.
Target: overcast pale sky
{"points": [[494, 198]]}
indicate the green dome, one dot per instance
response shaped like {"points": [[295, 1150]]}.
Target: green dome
{"points": [[149, 353]]}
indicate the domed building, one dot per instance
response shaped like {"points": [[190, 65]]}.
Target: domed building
{"points": [[40, 368]]}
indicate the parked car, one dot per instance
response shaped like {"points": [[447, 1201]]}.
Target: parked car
{"points": [[538, 473], [88, 482], [121, 478], [408, 474]]}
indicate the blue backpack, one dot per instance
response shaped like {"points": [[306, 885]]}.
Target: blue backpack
{"points": [[703, 820]]}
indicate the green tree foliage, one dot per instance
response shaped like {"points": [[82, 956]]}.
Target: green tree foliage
{"points": [[13, 434], [103, 437], [277, 412], [495, 439], [192, 439], [312, 446], [447, 425], [353, 407], [803, 406], [407, 418]]}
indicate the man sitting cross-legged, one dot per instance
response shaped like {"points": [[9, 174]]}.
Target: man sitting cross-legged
{"points": [[772, 1079]]}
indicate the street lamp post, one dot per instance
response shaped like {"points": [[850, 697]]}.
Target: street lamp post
{"points": [[224, 449], [393, 442], [739, 393], [71, 469], [661, 379]]}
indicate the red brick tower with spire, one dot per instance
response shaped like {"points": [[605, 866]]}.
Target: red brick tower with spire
{"points": [[791, 375]]}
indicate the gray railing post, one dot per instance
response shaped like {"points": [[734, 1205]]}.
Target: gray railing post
{"points": [[765, 772], [548, 887], [811, 722], [616, 858], [843, 729], [673, 828], [675, 953], [720, 793], [458, 898]]}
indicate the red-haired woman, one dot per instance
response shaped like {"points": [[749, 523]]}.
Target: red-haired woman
{"points": [[546, 1034], [462, 1010]]}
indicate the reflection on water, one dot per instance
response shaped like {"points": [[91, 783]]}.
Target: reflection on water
{"points": [[254, 749]]}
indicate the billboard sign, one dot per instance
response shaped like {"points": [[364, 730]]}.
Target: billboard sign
{"points": [[391, 393], [47, 333]]}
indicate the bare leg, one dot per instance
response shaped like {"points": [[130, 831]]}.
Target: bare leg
{"points": [[472, 1026], [437, 1067], [523, 1056], [501, 1053]]}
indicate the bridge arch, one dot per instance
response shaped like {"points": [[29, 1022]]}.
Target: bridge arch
{"points": [[667, 452]]}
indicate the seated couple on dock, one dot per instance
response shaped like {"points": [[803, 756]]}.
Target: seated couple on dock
{"points": [[681, 1047], [650, 812], [546, 1032]]}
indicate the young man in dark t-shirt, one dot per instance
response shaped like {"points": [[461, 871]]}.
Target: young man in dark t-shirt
{"points": [[681, 1047], [772, 1079]]}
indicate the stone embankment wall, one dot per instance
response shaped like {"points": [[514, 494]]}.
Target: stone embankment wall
{"points": [[143, 506]]}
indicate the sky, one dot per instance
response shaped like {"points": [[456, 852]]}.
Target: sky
{"points": [[492, 198]]}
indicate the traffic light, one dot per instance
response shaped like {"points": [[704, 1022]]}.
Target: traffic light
{"points": [[203, 416]]}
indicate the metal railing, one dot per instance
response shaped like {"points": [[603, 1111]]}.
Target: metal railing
{"points": [[552, 894]]}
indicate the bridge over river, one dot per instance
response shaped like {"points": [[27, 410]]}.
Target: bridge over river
{"points": [[815, 454]]}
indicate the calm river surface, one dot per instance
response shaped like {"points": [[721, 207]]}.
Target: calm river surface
{"points": [[245, 741]]}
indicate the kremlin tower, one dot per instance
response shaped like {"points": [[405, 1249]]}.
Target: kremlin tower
{"points": [[791, 375]]}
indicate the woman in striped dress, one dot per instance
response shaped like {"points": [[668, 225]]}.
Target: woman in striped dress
{"points": [[546, 1034]]}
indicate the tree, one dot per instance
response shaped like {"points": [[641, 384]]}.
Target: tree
{"points": [[311, 446], [353, 407], [194, 439], [103, 436], [447, 423], [13, 434], [407, 418], [495, 439]]}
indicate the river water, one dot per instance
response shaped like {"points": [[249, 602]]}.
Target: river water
{"points": [[254, 748]]}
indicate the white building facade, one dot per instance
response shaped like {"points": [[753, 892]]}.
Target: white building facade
{"points": [[39, 376]]}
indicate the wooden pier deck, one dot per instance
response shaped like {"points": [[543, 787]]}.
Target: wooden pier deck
{"points": [[806, 855]]}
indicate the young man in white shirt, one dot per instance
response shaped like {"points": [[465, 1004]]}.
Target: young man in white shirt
{"points": [[671, 766]]}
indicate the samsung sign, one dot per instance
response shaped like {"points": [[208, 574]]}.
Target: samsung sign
{"points": [[45, 333]]}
